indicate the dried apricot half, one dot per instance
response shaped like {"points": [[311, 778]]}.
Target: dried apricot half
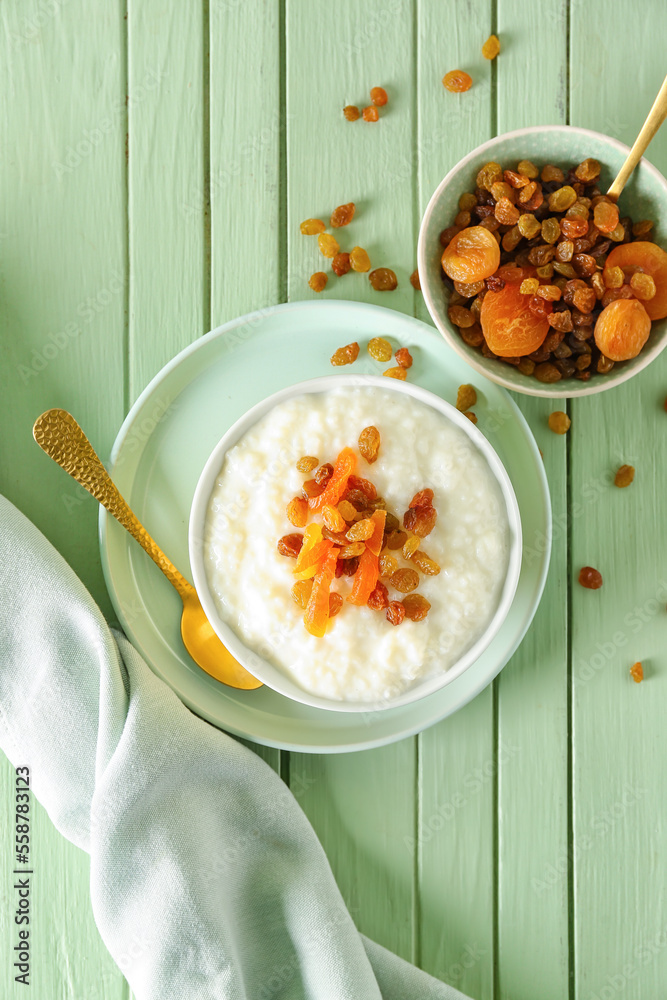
{"points": [[471, 255], [510, 328], [622, 329], [653, 260]]}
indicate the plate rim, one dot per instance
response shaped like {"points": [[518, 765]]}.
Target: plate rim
{"points": [[104, 519]]}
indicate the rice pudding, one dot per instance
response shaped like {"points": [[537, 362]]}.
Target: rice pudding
{"points": [[361, 656]]}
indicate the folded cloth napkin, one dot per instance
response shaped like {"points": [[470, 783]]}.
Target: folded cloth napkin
{"points": [[207, 880]]}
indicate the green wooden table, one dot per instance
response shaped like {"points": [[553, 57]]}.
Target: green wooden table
{"points": [[156, 160]]}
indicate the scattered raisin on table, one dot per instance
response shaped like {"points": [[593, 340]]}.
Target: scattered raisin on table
{"points": [[340, 265], [345, 355], [328, 245], [457, 81], [466, 397], [351, 112], [290, 545], [414, 280], [318, 281], [404, 357], [369, 443], [359, 260], [624, 476], [380, 349], [472, 417], [312, 227], [491, 47], [379, 96], [370, 114], [395, 612], [383, 279], [637, 672], [307, 463], [398, 372], [590, 578], [559, 422], [343, 215]]}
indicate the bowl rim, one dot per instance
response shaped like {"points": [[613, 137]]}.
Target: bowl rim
{"points": [[551, 392], [272, 675]]}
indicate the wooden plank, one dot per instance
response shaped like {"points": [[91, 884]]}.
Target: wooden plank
{"points": [[168, 290], [64, 285], [457, 759], [532, 689], [362, 806], [242, 175], [618, 727]]}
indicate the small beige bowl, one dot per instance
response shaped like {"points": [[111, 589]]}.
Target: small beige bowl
{"points": [[644, 197]]}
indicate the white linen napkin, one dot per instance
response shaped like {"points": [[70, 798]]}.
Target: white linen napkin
{"points": [[207, 880]]}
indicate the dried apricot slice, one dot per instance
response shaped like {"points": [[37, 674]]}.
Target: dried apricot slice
{"points": [[622, 329], [316, 616], [653, 260], [365, 578], [344, 467], [510, 327], [471, 255]]}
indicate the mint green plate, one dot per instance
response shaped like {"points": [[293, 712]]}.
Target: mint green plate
{"points": [[163, 446]]}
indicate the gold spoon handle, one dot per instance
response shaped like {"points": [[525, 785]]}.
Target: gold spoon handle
{"points": [[656, 117], [58, 434]]}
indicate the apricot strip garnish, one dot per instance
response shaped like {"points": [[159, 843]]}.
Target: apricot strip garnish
{"points": [[316, 616], [367, 573], [343, 468]]}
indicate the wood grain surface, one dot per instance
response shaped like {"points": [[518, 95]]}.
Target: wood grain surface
{"points": [[156, 161]]}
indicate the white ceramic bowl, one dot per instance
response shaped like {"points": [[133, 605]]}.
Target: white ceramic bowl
{"points": [[644, 197], [256, 663]]}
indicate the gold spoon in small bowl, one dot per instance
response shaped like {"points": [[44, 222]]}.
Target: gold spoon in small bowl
{"points": [[58, 434]]}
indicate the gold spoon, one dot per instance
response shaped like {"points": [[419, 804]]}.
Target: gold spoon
{"points": [[656, 117], [58, 434]]}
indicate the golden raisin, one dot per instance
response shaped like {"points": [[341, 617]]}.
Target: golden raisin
{"points": [[643, 286], [613, 277], [369, 442], [590, 578], [301, 592], [414, 280], [404, 357], [466, 397], [605, 216], [380, 349], [318, 281], [529, 286], [472, 417], [383, 279], [396, 539], [405, 580], [424, 498], [559, 422], [352, 550], [528, 225], [561, 199], [312, 227], [410, 546], [361, 485], [379, 597], [624, 476], [345, 355], [428, 566], [340, 265], [328, 245], [342, 215], [420, 520], [550, 230], [387, 565], [642, 228], [307, 463], [398, 372], [346, 510], [637, 672], [297, 512], [552, 173], [416, 607], [335, 604], [312, 488], [528, 169], [506, 213], [333, 519], [489, 174], [359, 260], [395, 612], [457, 81], [379, 96], [587, 171], [290, 545], [370, 114], [550, 293], [361, 531], [491, 47], [351, 112], [460, 316]]}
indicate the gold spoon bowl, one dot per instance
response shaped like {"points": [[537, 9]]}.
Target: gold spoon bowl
{"points": [[59, 435]]}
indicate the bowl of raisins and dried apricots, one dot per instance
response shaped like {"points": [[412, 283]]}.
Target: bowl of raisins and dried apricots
{"points": [[534, 276]]}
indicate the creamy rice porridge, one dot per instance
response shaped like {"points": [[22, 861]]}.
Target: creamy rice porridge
{"points": [[362, 656]]}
